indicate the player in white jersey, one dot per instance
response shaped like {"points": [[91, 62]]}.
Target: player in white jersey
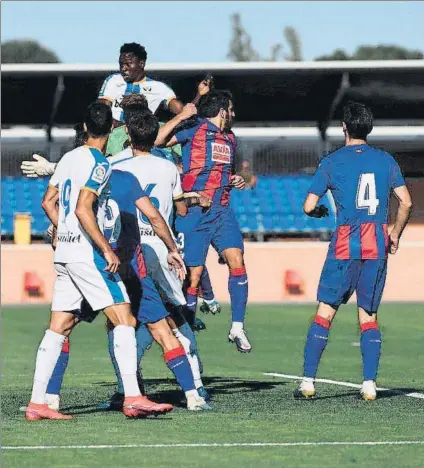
{"points": [[132, 79], [86, 268], [161, 181]]}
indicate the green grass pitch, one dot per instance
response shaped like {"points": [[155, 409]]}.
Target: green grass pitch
{"points": [[249, 407]]}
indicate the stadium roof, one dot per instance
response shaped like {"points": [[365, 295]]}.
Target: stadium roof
{"points": [[245, 67]]}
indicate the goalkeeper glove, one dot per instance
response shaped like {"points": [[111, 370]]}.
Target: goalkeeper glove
{"points": [[41, 167]]}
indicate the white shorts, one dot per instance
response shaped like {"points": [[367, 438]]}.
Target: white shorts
{"points": [[167, 283], [78, 281]]}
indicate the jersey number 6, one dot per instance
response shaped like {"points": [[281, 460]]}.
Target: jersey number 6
{"points": [[366, 196]]}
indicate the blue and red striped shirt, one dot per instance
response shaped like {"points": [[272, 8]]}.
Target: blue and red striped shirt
{"points": [[361, 179], [208, 161]]}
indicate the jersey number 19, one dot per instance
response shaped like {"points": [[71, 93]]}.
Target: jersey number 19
{"points": [[366, 195]]}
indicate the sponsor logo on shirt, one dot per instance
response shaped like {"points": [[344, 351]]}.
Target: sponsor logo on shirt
{"points": [[69, 237], [221, 153], [147, 232], [99, 173], [147, 88]]}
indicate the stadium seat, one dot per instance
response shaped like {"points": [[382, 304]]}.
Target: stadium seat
{"points": [[22, 195], [275, 205]]}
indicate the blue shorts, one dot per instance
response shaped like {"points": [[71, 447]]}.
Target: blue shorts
{"points": [[198, 230], [340, 278], [146, 303]]}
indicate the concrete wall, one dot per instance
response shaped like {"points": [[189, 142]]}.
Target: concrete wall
{"points": [[266, 266]]}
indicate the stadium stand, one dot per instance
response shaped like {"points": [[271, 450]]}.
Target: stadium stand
{"points": [[274, 206]]}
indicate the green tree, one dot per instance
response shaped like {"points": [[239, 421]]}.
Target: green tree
{"points": [[293, 40], [26, 51], [379, 52], [242, 50]]}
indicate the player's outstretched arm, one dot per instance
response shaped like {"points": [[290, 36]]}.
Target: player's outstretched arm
{"points": [[311, 207], [41, 167], [165, 131], [49, 204], [402, 217], [85, 214]]}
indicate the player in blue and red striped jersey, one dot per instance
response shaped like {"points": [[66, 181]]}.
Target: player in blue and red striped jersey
{"points": [[208, 149], [361, 179]]}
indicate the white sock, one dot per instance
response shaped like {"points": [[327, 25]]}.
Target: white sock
{"points": [[192, 394], [209, 301], [236, 327], [192, 358], [47, 355], [125, 348]]}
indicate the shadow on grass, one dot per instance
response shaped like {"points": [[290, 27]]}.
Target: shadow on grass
{"points": [[215, 386]]}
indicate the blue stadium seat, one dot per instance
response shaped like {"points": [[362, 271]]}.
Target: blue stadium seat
{"points": [[275, 205], [22, 195]]}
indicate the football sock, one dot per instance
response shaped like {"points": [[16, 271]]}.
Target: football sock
{"points": [[238, 288], [55, 382], [191, 298], [125, 350], [47, 356], [177, 362], [114, 363], [370, 349], [191, 356], [143, 339], [206, 286], [316, 342]]}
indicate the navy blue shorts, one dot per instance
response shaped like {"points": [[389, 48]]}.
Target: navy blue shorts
{"points": [[340, 278], [198, 230]]}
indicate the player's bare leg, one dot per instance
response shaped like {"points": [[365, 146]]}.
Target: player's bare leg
{"points": [[316, 342], [125, 348], [370, 350], [177, 362], [238, 289], [60, 327]]}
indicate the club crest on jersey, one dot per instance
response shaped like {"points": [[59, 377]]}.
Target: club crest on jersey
{"points": [[99, 173], [221, 153]]}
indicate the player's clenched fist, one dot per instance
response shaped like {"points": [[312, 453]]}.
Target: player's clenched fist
{"points": [[238, 182], [394, 243], [188, 111], [113, 261]]}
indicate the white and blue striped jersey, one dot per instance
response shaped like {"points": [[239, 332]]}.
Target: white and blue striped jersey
{"points": [[115, 87], [82, 168], [160, 181]]}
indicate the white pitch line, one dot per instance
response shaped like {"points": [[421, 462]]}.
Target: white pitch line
{"points": [[241, 444], [344, 384]]}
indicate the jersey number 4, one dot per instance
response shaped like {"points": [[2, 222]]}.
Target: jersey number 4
{"points": [[366, 197]]}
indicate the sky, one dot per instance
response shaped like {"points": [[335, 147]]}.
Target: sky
{"points": [[200, 31]]}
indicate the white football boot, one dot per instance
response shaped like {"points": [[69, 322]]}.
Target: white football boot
{"points": [[239, 337], [369, 390]]}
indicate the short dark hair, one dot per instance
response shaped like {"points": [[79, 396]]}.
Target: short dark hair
{"points": [[133, 103], [133, 48], [211, 103], [98, 119], [143, 128], [358, 120], [80, 135]]}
